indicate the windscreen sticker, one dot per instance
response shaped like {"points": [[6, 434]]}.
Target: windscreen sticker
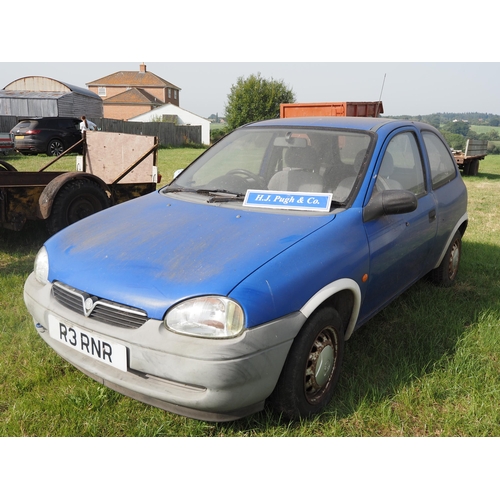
{"points": [[319, 202]]}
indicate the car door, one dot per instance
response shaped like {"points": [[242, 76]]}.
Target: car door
{"points": [[68, 131], [399, 244]]}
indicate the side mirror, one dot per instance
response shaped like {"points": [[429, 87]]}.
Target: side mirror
{"points": [[390, 202], [177, 172]]}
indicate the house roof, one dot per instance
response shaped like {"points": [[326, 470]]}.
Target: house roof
{"points": [[141, 78], [173, 107], [134, 96]]}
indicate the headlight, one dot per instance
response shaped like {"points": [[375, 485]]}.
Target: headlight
{"points": [[212, 317], [41, 267]]}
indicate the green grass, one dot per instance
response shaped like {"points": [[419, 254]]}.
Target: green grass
{"points": [[428, 365]]}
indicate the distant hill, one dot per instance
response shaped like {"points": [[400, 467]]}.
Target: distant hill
{"points": [[440, 119]]}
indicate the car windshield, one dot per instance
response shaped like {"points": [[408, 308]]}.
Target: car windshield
{"points": [[280, 159]]}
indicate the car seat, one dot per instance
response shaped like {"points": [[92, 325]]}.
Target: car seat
{"points": [[384, 180], [299, 174], [344, 187]]}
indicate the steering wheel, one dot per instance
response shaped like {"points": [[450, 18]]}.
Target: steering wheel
{"points": [[249, 175]]}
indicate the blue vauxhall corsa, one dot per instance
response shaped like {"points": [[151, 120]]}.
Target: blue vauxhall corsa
{"points": [[238, 283]]}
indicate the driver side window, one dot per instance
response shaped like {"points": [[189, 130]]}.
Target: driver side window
{"points": [[402, 166]]}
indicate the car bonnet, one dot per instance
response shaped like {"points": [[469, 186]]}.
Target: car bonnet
{"points": [[157, 250]]}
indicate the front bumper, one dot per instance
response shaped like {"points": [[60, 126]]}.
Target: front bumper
{"points": [[207, 379]]}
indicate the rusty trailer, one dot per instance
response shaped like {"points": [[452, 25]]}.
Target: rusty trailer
{"points": [[468, 161], [114, 168]]}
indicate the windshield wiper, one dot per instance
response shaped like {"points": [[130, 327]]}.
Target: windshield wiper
{"points": [[220, 195], [178, 190], [216, 195], [227, 196], [217, 191]]}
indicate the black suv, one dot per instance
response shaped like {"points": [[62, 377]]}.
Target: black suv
{"points": [[46, 135]]}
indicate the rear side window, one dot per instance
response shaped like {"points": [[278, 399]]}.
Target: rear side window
{"points": [[443, 166], [23, 125], [69, 123]]}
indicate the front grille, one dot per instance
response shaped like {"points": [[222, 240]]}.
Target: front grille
{"points": [[99, 309]]}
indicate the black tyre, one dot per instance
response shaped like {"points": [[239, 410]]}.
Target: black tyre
{"points": [[474, 167], [55, 147], [7, 166], [446, 273], [312, 368], [75, 201]]}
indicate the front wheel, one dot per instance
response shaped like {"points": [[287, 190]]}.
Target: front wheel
{"points": [[446, 273], [312, 368]]}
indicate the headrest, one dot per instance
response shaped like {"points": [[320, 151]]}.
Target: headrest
{"points": [[303, 158]]}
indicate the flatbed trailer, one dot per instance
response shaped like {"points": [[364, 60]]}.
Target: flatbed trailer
{"points": [[114, 168], [468, 161]]}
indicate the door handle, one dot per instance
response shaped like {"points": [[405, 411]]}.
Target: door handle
{"points": [[432, 216]]}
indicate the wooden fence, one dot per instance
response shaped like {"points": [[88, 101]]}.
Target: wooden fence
{"points": [[168, 133]]}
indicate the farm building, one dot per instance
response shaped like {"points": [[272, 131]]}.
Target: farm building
{"points": [[179, 116], [41, 96]]}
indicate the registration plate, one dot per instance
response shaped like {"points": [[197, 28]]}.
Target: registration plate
{"points": [[19, 137], [92, 345]]}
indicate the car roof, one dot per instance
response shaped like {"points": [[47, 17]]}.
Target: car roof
{"points": [[347, 122], [48, 118]]}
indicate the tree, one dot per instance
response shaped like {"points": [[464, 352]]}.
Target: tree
{"points": [[458, 127], [455, 141], [255, 98]]}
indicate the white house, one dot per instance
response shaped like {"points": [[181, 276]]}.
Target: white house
{"points": [[183, 117]]}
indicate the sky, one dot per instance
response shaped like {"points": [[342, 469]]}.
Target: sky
{"points": [[406, 88], [418, 61]]}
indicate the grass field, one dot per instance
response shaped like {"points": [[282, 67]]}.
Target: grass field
{"points": [[428, 365], [484, 129]]}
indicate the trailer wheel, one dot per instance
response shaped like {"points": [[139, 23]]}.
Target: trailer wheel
{"points": [[474, 167], [7, 166], [75, 201]]}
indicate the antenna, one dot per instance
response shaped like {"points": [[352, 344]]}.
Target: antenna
{"points": [[380, 98]]}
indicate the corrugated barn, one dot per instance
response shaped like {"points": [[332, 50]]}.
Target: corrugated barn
{"points": [[36, 96]]}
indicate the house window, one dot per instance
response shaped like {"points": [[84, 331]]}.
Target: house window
{"points": [[175, 94], [101, 91], [169, 93]]}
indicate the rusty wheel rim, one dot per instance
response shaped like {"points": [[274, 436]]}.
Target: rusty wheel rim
{"points": [[320, 365], [454, 260]]}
